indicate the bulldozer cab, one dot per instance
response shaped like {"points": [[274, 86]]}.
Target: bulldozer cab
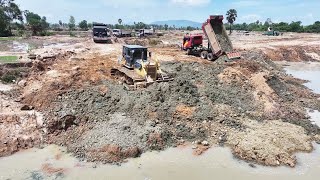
{"points": [[134, 53]]}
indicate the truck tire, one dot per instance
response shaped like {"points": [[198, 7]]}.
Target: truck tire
{"points": [[204, 54], [211, 57], [189, 52]]}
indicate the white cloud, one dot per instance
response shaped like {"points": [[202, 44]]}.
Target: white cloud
{"points": [[246, 3], [191, 2], [129, 3], [250, 18]]}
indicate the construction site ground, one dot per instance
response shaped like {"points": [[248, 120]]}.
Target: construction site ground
{"points": [[67, 97]]}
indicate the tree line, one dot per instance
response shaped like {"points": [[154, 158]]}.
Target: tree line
{"points": [[12, 18], [295, 26]]}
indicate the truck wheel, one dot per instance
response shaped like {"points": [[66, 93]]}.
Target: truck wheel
{"points": [[204, 54], [210, 57], [189, 52]]}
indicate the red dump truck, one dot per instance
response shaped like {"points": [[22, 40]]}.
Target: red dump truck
{"points": [[218, 41]]}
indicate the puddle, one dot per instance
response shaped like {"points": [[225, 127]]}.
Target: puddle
{"points": [[315, 117], [307, 71], [56, 45], [4, 87], [174, 163], [20, 47]]}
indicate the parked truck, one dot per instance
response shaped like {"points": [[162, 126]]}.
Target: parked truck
{"points": [[101, 33], [218, 41], [271, 32], [145, 32], [121, 33]]}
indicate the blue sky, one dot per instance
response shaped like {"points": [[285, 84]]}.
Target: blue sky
{"points": [[109, 11]]}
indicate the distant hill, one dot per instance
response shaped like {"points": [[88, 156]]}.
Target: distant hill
{"points": [[179, 23]]}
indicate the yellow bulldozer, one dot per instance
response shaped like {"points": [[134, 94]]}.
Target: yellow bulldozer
{"points": [[136, 68]]}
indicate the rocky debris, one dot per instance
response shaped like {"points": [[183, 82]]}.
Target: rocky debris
{"points": [[27, 108], [61, 124], [199, 149], [272, 143], [19, 132], [201, 103], [293, 53], [205, 143], [112, 154], [32, 56], [97, 119]]}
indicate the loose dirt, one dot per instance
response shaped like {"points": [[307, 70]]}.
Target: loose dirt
{"points": [[250, 105]]}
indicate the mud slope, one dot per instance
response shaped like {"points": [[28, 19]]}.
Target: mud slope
{"points": [[249, 105], [222, 103]]}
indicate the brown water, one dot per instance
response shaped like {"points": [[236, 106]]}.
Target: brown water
{"points": [[307, 71], [174, 163]]}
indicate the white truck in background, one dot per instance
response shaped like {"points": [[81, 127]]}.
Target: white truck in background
{"points": [[121, 33], [145, 32]]}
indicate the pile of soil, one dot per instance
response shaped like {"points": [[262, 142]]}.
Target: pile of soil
{"points": [[212, 103]]}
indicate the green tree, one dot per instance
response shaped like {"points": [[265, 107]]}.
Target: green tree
{"points": [[83, 25], [120, 21], [296, 26], [44, 24], [37, 24], [72, 23], [9, 11], [232, 15], [90, 25], [166, 27]]}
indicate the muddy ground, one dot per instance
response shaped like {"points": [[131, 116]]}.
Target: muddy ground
{"points": [[251, 105]]}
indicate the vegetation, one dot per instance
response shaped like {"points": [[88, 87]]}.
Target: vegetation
{"points": [[8, 59], [38, 25], [295, 26], [8, 38], [231, 17], [12, 75], [120, 21], [11, 18], [83, 25], [9, 12], [72, 23]]}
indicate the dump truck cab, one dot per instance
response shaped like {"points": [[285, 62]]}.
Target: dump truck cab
{"points": [[134, 55], [218, 44], [192, 41]]}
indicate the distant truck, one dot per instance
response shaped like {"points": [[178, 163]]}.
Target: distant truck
{"points": [[101, 33], [271, 32], [121, 33], [145, 32]]}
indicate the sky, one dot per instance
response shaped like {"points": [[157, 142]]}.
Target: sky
{"points": [[109, 11]]}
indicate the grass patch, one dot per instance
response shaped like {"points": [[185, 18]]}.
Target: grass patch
{"points": [[8, 38], [8, 59]]}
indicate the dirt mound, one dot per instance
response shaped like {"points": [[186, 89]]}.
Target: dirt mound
{"points": [[213, 103], [143, 41], [281, 140], [232, 104], [294, 54]]}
